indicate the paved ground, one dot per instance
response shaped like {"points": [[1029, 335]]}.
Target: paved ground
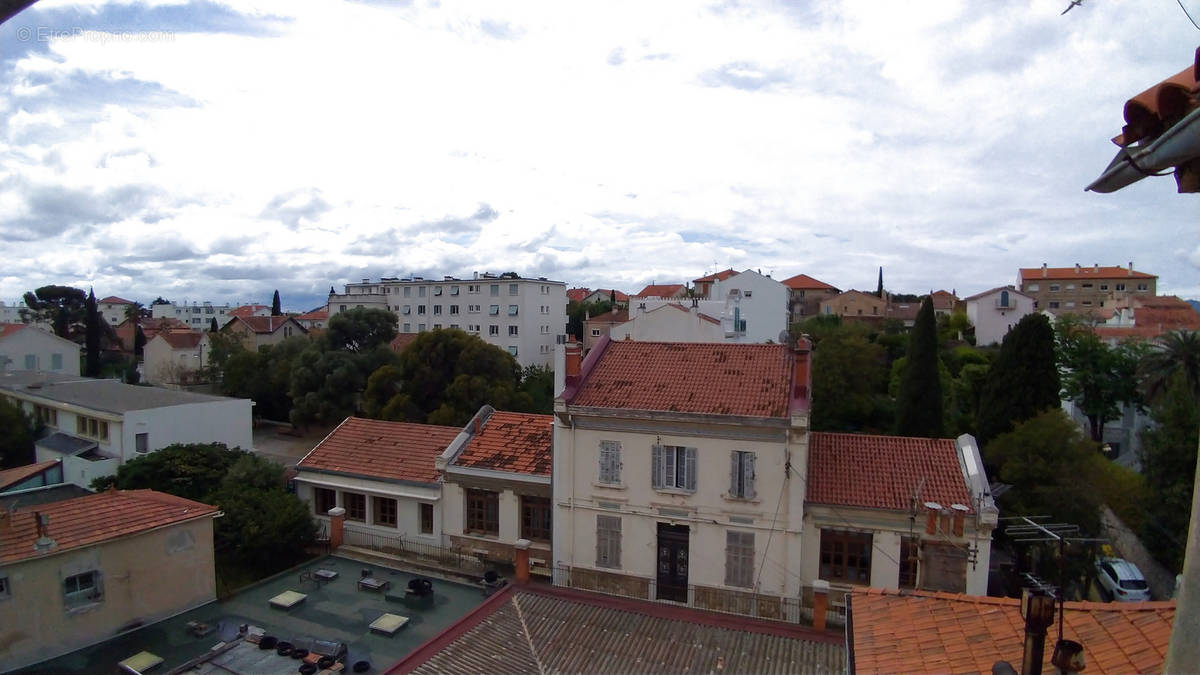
{"points": [[286, 448]]}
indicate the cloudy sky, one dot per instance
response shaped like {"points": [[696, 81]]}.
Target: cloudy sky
{"points": [[218, 150]]}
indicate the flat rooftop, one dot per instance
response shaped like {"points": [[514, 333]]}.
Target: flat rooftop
{"points": [[336, 611], [107, 395]]}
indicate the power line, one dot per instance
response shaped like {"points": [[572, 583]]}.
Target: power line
{"points": [[1187, 14]]}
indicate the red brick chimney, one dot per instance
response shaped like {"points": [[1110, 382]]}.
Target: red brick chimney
{"points": [[337, 519], [802, 371], [574, 358]]}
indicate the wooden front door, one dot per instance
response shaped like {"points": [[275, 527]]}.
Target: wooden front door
{"points": [[672, 562]]}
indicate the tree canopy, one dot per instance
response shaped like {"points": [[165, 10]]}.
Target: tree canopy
{"points": [[919, 400], [91, 336], [275, 308], [16, 436], [360, 329], [64, 307], [1022, 382], [849, 376], [1098, 378], [1175, 352], [1168, 456]]}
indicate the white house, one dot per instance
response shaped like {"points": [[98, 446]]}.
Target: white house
{"points": [[496, 485], [668, 322], [96, 425], [996, 311], [113, 309], [382, 473], [756, 307], [24, 347], [686, 472], [174, 357]]}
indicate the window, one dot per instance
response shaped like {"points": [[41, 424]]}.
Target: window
{"points": [[454, 290], [384, 511], [1086, 285], [493, 330], [407, 292], [92, 427], [30, 362], [535, 518], [741, 474], [426, 518], [454, 309], [1118, 287], [1053, 304], [1104, 287], [512, 310], [437, 290], [1054, 288], [512, 349], [483, 512], [472, 288], [355, 505], [420, 309], [141, 442], [56, 361], [1032, 287], [595, 332], [1070, 304], [545, 330], [1070, 287], [608, 541], [514, 289], [420, 328], [748, 294], [610, 462], [474, 309], [437, 326], [1142, 287], [408, 328], [673, 467], [82, 589], [493, 310], [739, 559], [437, 310], [324, 499], [420, 291], [1004, 299], [494, 290], [407, 309], [47, 416], [908, 562], [845, 556], [472, 328], [512, 331]]}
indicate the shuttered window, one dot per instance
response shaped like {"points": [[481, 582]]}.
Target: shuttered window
{"points": [[673, 467], [739, 559], [608, 541], [610, 462], [741, 474]]}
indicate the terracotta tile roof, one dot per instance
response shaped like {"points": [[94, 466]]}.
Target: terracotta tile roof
{"points": [[513, 442], [380, 449], [10, 477], [997, 289], [621, 297], [719, 379], [944, 300], [315, 315], [181, 339], [150, 328], [803, 282], [1081, 272], [612, 316], [680, 307], [660, 291], [883, 472], [923, 632], [266, 324], [7, 329], [903, 311], [114, 300], [247, 310], [85, 521], [401, 341], [577, 294], [716, 276]]}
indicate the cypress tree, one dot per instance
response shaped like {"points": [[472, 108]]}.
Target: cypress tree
{"points": [[212, 325], [1023, 380], [275, 309], [91, 336], [879, 288], [919, 402]]}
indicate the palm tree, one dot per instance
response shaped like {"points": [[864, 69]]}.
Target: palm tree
{"points": [[1175, 352]]}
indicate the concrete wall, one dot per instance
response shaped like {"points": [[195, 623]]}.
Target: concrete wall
{"points": [[408, 512], [223, 421], [579, 498], [43, 347], [992, 321], [165, 364], [762, 304], [145, 578], [669, 324]]}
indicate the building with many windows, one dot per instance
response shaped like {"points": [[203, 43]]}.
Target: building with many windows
{"points": [[199, 315], [522, 316], [1083, 289]]}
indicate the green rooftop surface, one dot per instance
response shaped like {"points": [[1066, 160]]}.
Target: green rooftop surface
{"points": [[335, 610]]}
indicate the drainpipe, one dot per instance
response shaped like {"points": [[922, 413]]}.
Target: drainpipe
{"points": [[1183, 651]]}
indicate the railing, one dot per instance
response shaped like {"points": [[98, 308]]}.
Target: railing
{"points": [[421, 552], [795, 610]]}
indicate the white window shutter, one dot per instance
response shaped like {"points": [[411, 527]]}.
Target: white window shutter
{"points": [[669, 476], [656, 466], [749, 486], [734, 461], [689, 474]]}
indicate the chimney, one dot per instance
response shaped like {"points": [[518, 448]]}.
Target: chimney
{"points": [[1076, 268], [337, 522], [1043, 270], [1037, 608], [1130, 268], [1096, 267], [932, 509], [574, 356], [802, 372], [960, 514], [44, 542]]}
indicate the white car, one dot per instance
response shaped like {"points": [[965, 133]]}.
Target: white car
{"points": [[1122, 580]]}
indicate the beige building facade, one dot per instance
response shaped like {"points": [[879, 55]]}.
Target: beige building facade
{"points": [[1083, 289]]}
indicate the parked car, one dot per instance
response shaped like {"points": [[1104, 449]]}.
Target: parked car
{"points": [[1122, 580]]}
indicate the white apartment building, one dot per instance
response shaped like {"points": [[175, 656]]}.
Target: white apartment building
{"points": [[522, 316], [199, 315]]}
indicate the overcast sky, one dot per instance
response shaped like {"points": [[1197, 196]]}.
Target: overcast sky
{"points": [[218, 151]]}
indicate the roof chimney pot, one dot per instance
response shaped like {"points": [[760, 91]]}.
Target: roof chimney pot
{"points": [[1043, 270]]}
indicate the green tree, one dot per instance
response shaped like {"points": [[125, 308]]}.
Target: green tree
{"points": [[849, 378], [190, 471], [327, 385], [64, 307], [275, 308], [384, 398], [578, 311], [16, 436], [1098, 378], [538, 383], [1175, 352], [1168, 456], [160, 300], [879, 286], [1022, 381], [919, 401], [92, 337], [265, 528], [360, 329], [212, 325]]}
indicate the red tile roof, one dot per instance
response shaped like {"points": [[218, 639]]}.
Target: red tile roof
{"points": [[89, 520], [611, 316], [7, 329], [577, 294], [660, 291], [402, 341], [716, 276], [247, 310], [114, 300], [717, 379], [922, 632], [513, 442], [182, 339], [10, 477], [315, 315], [265, 324], [803, 282], [883, 472], [944, 300], [150, 328], [621, 297], [380, 449], [1081, 272]]}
